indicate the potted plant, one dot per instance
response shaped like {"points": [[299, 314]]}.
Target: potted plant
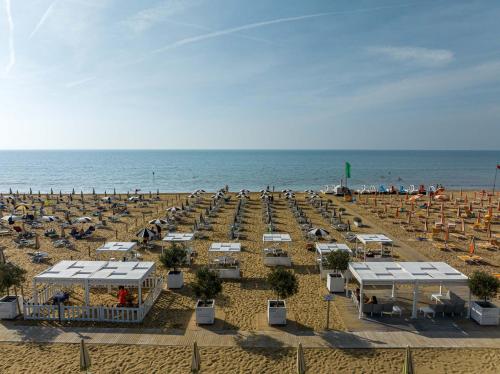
{"points": [[484, 286], [172, 258], [284, 283], [11, 275], [206, 287], [357, 222], [338, 261]]}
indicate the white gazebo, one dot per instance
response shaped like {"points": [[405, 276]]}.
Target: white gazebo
{"points": [[93, 274], [323, 249], [409, 273], [276, 256], [116, 249], [224, 261], [183, 238], [369, 241]]}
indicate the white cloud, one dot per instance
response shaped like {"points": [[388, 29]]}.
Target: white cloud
{"points": [[417, 55], [149, 17]]}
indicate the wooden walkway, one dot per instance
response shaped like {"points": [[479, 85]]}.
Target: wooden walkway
{"points": [[13, 333]]}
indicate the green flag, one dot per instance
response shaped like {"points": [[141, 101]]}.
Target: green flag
{"points": [[347, 170]]}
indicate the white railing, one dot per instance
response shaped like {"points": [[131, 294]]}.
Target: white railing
{"points": [[62, 312], [153, 295], [42, 312]]}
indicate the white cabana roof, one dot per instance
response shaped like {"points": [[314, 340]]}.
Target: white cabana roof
{"points": [[276, 238], [384, 273], [178, 237], [225, 247], [325, 248], [97, 273], [373, 238], [117, 247]]}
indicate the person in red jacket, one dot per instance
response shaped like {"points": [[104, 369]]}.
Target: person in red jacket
{"points": [[122, 296]]}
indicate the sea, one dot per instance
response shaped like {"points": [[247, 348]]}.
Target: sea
{"points": [[188, 170]]}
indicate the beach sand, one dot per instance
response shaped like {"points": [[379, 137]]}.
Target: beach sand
{"points": [[242, 304], [63, 358]]}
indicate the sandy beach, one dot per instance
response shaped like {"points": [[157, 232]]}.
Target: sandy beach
{"points": [[242, 304]]}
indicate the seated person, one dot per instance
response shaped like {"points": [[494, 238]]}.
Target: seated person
{"points": [[358, 295], [122, 296], [373, 300]]}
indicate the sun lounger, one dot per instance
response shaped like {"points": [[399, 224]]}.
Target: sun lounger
{"points": [[473, 260]]}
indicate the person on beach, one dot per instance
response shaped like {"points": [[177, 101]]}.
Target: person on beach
{"points": [[122, 296]]}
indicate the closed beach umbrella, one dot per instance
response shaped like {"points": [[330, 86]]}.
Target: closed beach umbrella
{"points": [[472, 246], [195, 359], [408, 366], [84, 357], [301, 362]]}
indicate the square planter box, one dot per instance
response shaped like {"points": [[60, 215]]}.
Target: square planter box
{"points": [[276, 312], [335, 282], [278, 261], [8, 307], [485, 313], [175, 279], [205, 314]]}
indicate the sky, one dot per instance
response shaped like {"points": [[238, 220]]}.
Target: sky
{"points": [[260, 74]]}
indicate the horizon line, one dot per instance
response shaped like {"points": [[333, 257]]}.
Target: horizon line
{"points": [[250, 149]]}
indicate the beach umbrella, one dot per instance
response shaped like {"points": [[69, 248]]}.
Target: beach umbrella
{"points": [[408, 365], [195, 359], [31, 191], [426, 227], [60, 194], [301, 362], [174, 209], [2, 257], [472, 246], [114, 191], [37, 242], [51, 191], [158, 221], [319, 232], [157, 192], [447, 234], [84, 357], [145, 234], [463, 225]]}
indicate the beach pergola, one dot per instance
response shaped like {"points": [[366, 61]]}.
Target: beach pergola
{"points": [[224, 261], [96, 273], [408, 273], [276, 256], [183, 239], [371, 240], [119, 249], [323, 249]]}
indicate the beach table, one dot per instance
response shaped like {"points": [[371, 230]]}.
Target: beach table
{"points": [[227, 266]]}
